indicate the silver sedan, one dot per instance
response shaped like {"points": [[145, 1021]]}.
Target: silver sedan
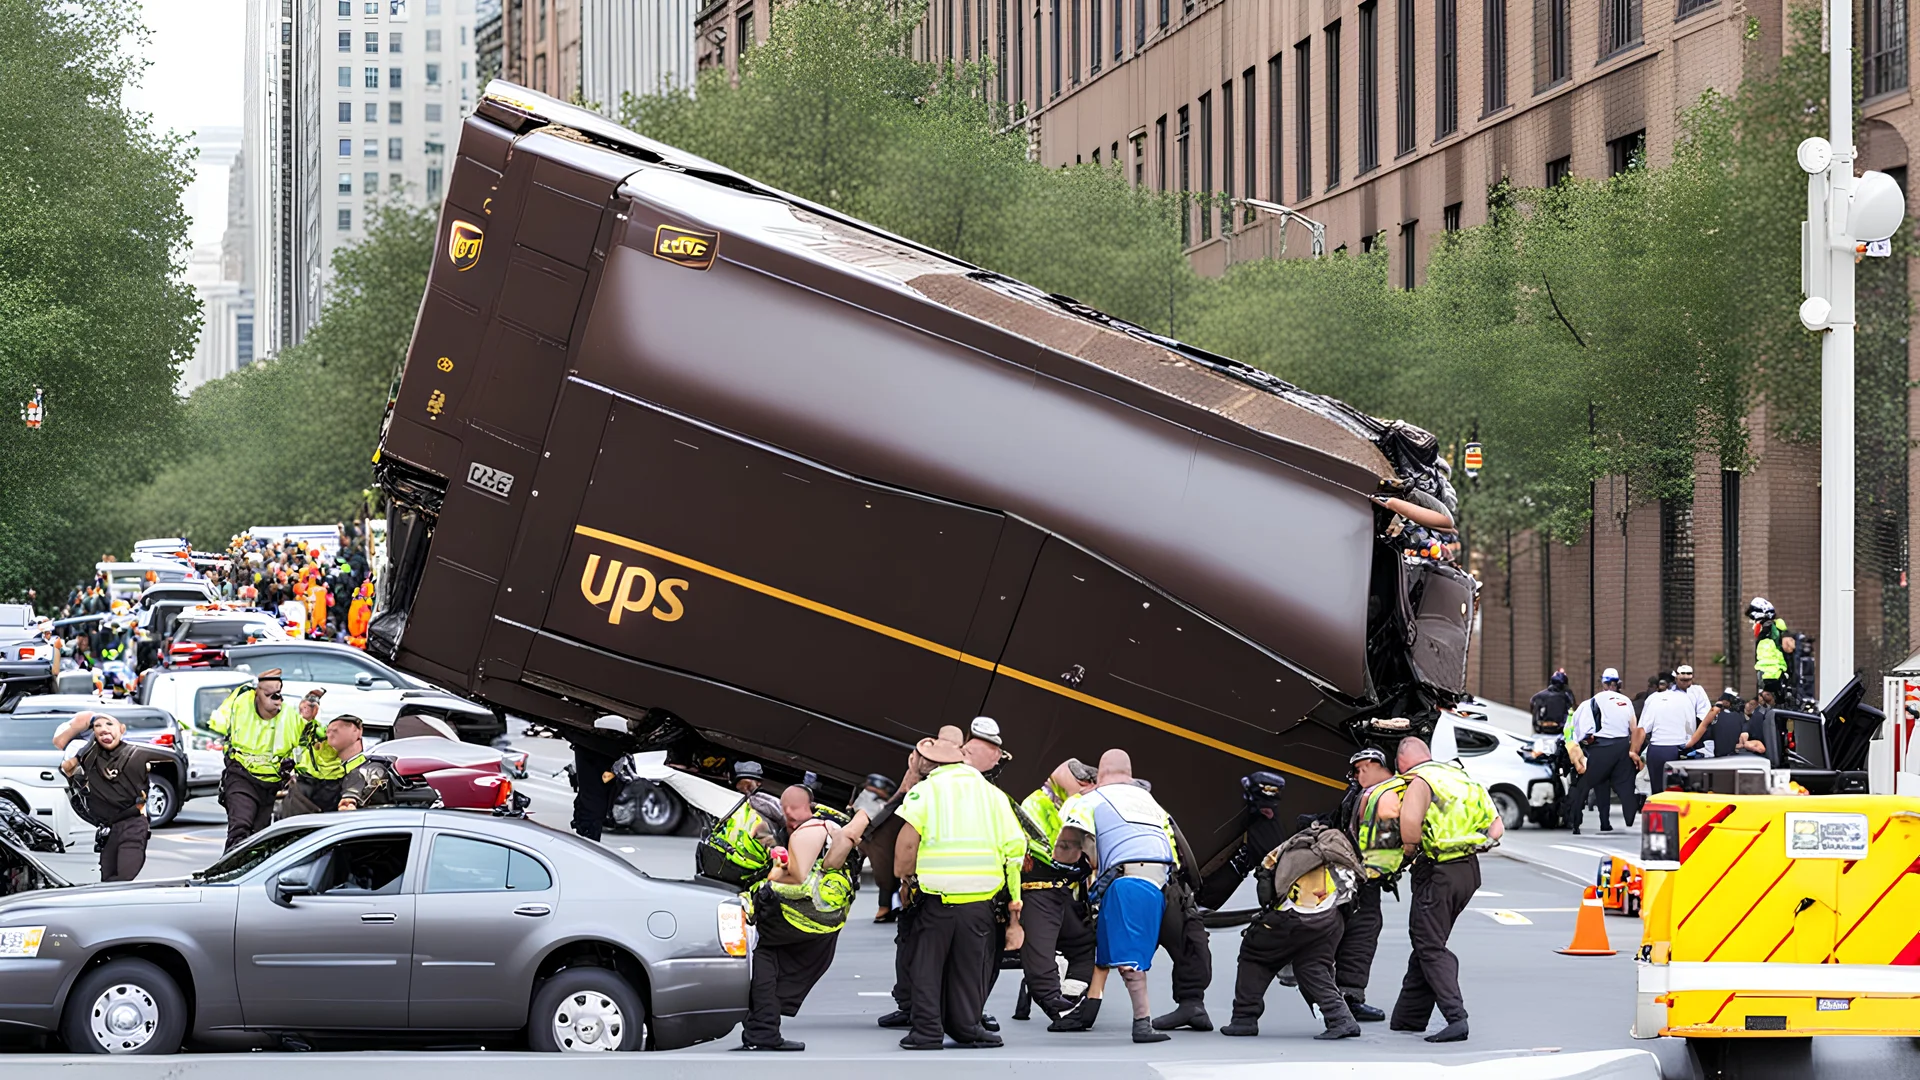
{"points": [[376, 925]]}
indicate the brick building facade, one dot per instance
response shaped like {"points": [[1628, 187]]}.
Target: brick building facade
{"points": [[540, 46]]}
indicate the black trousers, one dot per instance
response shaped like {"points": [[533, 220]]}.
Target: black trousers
{"points": [[951, 949], [1609, 772], [124, 851], [1361, 939], [1184, 937], [1053, 924], [249, 802], [594, 794], [787, 962], [904, 929], [1440, 893], [1658, 758], [1308, 942]]}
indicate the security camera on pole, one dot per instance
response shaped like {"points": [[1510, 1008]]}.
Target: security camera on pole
{"points": [[1844, 214]]}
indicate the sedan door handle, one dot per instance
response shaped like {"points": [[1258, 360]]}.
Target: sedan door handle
{"points": [[533, 911], [377, 917]]}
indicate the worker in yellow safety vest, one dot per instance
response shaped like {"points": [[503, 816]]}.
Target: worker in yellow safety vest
{"points": [[1375, 828], [964, 845], [1053, 896], [1446, 819], [262, 735]]}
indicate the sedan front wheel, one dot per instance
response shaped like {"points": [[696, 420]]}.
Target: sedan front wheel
{"points": [[584, 1010], [125, 1006]]}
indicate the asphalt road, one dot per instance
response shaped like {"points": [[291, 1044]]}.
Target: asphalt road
{"points": [[1531, 1008]]}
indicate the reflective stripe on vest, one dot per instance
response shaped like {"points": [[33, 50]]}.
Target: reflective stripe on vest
{"points": [[963, 854], [1129, 826], [1380, 848], [1461, 813], [258, 744], [1042, 811], [734, 838]]}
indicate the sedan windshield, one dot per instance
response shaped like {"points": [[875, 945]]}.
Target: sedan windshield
{"points": [[235, 864]]}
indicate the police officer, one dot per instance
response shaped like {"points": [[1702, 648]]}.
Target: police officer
{"points": [[594, 755], [798, 912], [881, 847], [1446, 818], [1551, 706], [321, 766], [1054, 897], [1183, 933], [960, 839], [369, 781], [1769, 650], [115, 773], [262, 734], [748, 776], [1374, 824], [1604, 726]]}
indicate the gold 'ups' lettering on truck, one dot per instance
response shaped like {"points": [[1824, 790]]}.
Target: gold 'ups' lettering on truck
{"points": [[685, 246], [463, 244], [619, 588]]}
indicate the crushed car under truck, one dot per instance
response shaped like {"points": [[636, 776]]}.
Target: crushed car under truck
{"points": [[773, 483]]}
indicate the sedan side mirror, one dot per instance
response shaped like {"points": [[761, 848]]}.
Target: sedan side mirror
{"points": [[292, 882], [363, 680]]}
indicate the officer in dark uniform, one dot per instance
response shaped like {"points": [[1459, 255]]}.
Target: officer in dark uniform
{"points": [[1184, 935], [1264, 831], [594, 754], [369, 781], [1360, 940], [115, 774]]}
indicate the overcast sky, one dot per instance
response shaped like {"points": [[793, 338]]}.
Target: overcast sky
{"points": [[194, 83]]}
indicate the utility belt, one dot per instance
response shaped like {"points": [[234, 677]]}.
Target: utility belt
{"points": [[1030, 886], [1157, 872]]}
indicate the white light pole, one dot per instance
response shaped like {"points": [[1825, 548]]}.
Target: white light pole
{"points": [[1842, 211]]}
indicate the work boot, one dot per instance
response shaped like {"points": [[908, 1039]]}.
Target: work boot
{"points": [[911, 1043], [1454, 1032], [1365, 1013], [1348, 1030], [989, 1021], [1143, 1032], [783, 1044], [1241, 1027], [985, 1041], [1191, 1014], [898, 1018], [1078, 1018]]}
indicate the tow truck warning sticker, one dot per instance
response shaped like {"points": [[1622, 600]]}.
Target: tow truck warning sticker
{"points": [[1826, 836]]}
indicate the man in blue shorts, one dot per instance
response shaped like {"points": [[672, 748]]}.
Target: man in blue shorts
{"points": [[1126, 834]]}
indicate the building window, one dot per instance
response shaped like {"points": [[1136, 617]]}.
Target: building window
{"points": [[1139, 25], [1446, 68], [1493, 44], [370, 148], [1166, 14], [396, 182], [1160, 151], [1140, 161], [1619, 26], [1000, 52], [1450, 218], [1181, 142], [1303, 119], [433, 7], [394, 149], [1403, 78], [1039, 60], [393, 42], [1333, 105], [1886, 40], [1054, 8], [1559, 169], [1369, 86], [540, 72], [436, 176], [433, 75], [370, 78], [1408, 258], [1119, 30], [371, 110], [746, 37], [966, 29], [433, 41], [369, 183], [370, 7], [345, 219], [1688, 7], [1226, 158], [346, 183], [393, 76], [1094, 36], [393, 112], [346, 147], [1274, 125], [1624, 152], [1019, 55], [433, 113], [346, 112], [1073, 47], [1250, 130], [1552, 43], [345, 76], [372, 41], [1206, 166], [540, 24], [346, 41], [346, 9]]}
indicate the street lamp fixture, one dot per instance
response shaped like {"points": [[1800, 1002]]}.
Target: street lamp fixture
{"points": [[1314, 228]]}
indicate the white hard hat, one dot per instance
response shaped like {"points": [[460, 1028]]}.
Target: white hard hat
{"points": [[986, 727], [1610, 675]]}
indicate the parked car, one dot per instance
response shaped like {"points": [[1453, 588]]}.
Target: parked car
{"points": [[30, 776], [27, 663], [504, 926], [1498, 759], [357, 683], [126, 580], [201, 636], [194, 773]]}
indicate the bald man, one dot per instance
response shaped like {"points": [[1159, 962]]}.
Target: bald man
{"points": [[1127, 839]]}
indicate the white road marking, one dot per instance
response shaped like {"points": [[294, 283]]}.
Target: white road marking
{"points": [[874, 993], [1598, 853], [1505, 918], [1528, 910], [1484, 892]]}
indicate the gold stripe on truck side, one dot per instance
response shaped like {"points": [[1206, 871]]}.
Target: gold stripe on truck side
{"points": [[953, 654]]}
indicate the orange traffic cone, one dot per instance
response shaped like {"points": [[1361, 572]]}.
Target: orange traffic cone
{"points": [[1590, 932]]}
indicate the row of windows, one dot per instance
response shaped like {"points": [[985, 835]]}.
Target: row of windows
{"points": [[370, 148], [395, 112], [393, 8], [370, 40], [370, 184], [370, 76]]}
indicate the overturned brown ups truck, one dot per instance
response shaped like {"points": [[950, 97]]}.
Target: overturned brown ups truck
{"points": [[677, 446]]}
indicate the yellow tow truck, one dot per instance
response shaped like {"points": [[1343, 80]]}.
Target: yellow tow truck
{"points": [[1769, 919]]}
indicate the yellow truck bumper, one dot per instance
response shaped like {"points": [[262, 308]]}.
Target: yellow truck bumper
{"points": [[1763, 1000]]}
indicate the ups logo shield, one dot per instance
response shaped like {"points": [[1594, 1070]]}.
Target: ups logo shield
{"points": [[463, 244], [685, 246]]}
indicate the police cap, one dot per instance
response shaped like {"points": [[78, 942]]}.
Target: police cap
{"points": [[1262, 785]]}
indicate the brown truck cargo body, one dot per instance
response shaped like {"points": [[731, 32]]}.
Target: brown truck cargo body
{"points": [[676, 446]]}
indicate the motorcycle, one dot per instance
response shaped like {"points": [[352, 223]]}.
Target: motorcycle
{"points": [[1549, 812]]}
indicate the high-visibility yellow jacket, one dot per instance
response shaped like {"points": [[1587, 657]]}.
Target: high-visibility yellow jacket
{"points": [[971, 845], [259, 744]]}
